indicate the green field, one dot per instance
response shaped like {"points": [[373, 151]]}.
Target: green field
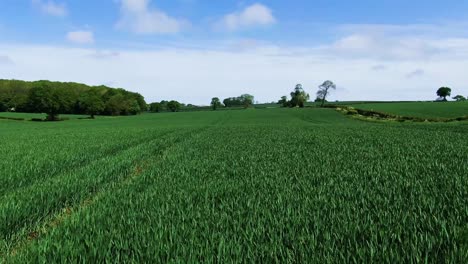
{"points": [[259, 185], [419, 109]]}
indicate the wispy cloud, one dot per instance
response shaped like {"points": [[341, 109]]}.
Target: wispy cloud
{"points": [[415, 73], [50, 7], [379, 67], [138, 17], [252, 16], [5, 60], [81, 37]]}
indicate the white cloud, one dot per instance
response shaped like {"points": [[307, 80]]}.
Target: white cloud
{"points": [[195, 76], [400, 42], [139, 18], [81, 37], [251, 16], [51, 8], [386, 47]]}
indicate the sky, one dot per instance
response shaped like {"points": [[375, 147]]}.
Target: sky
{"points": [[193, 50]]}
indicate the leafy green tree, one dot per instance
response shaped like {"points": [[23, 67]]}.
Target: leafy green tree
{"points": [[91, 102], [283, 101], [141, 102], [155, 107], [443, 92], [247, 100], [115, 105], [15, 94], [173, 106], [324, 90], [44, 99], [164, 105], [298, 97], [134, 107], [215, 103], [459, 98]]}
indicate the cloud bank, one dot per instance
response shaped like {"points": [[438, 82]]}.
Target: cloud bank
{"points": [[195, 76], [252, 16], [138, 17], [52, 8]]}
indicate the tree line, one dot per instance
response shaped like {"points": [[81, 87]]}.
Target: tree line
{"points": [[444, 92], [172, 106], [55, 98], [299, 97], [245, 101]]}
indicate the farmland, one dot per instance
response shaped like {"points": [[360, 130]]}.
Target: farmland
{"points": [[419, 109], [256, 185]]}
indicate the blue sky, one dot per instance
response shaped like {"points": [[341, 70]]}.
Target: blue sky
{"points": [[192, 50]]}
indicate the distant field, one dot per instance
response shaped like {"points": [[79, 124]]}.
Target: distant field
{"points": [[259, 185], [28, 116], [419, 109]]}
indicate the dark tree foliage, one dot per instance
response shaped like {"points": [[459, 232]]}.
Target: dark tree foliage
{"points": [[45, 99], [3, 107], [319, 100], [91, 102], [156, 107], [324, 90], [298, 97], [164, 106], [283, 101], [215, 103], [54, 98], [443, 92], [459, 98], [245, 100], [173, 106]]}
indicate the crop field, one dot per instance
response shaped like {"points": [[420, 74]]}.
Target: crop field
{"points": [[419, 109], [259, 185]]}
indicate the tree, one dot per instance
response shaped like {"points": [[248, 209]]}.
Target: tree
{"points": [[91, 102], [298, 97], [3, 107], [215, 103], [444, 92], [246, 100], [324, 90], [283, 101], [319, 100], [44, 99], [459, 98], [116, 105], [134, 107], [71, 97], [173, 106], [155, 107]]}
